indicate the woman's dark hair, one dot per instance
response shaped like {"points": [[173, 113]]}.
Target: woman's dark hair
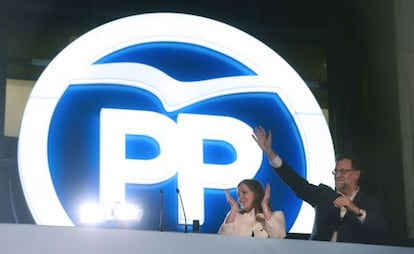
{"points": [[257, 189]]}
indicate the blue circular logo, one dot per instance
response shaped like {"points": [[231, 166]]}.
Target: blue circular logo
{"points": [[156, 111]]}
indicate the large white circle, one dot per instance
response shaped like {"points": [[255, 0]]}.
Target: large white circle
{"points": [[71, 62]]}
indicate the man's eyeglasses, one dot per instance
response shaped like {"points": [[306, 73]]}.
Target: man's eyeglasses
{"points": [[341, 171]]}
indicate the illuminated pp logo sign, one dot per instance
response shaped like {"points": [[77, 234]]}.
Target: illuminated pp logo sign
{"points": [[181, 154], [164, 101]]}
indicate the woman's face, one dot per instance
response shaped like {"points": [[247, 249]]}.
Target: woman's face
{"points": [[245, 197]]}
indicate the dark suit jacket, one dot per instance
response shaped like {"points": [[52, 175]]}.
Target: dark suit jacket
{"points": [[327, 218]]}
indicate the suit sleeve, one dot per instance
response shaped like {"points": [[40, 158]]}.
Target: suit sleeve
{"points": [[375, 220], [300, 186]]}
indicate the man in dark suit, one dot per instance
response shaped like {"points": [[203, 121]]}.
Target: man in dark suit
{"points": [[345, 214]]}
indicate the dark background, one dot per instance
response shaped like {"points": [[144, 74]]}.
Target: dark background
{"points": [[343, 49]]}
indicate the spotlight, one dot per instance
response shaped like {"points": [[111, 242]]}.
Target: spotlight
{"points": [[92, 213], [124, 211]]}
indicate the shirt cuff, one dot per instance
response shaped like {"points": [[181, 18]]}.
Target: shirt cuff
{"points": [[276, 162], [363, 214]]}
